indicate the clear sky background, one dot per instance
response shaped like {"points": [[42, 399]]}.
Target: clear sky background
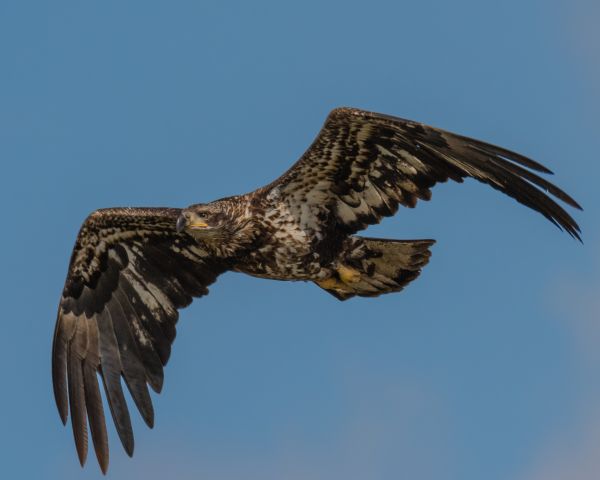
{"points": [[485, 368]]}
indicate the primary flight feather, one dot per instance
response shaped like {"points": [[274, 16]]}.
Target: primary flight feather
{"points": [[132, 268]]}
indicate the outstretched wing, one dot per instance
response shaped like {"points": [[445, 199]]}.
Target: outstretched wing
{"points": [[129, 273], [363, 165]]}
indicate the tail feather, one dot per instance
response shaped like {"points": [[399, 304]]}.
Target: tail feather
{"points": [[377, 266]]}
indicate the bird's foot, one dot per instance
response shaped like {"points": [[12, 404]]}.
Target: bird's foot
{"points": [[347, 274], [330, 283]]}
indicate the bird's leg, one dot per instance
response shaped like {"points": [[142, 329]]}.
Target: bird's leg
{"points": [[345, 277], [330, 283], [348, 274]]}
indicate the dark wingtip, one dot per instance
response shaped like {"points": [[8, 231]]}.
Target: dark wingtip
{"points": [[128, 446], [82, 450], [488, 149], [103, 462], [538, 166], [574, 230], [59, 374], [82, 459], [63, 416], [576, 205], [147, 412], [150, 421], [569, 201], [156, 383], [60, 397]]}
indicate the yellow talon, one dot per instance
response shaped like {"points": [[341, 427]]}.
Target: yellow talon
{"points": [[348, 274], [330, 283]]}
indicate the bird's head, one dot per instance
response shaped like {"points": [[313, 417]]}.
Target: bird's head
{"points": [[215, 221]]}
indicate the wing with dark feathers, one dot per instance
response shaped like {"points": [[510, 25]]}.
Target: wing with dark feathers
{"points": [[363, 165], [129, 273]]}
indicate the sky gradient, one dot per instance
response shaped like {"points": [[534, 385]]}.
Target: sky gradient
{"points": [[484, 368]]}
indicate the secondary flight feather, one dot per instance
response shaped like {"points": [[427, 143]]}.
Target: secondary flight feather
{"points": [[132, 269]]}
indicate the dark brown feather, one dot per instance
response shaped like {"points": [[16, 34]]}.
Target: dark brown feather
{"points": [[133, 370], [111, 369], [93, 400], [149, 357], [362, 165], [76, 390], [65, 325], [129, 273]]}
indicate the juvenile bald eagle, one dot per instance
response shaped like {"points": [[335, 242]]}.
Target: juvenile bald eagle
{"points": [[133, 268]]}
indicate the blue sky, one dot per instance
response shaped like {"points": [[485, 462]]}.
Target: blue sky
{"points": [[486, 367]]}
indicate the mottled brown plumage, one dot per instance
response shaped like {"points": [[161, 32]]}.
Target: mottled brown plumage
{"points": [[133, 268]]}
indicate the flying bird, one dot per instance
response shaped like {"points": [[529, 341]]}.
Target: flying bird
{"points": [[132, 268]]}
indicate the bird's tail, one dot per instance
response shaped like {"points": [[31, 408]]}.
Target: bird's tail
{"points": [[368, 267]]}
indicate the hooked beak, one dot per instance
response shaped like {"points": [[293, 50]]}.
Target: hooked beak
{"points": [[187, 221]]}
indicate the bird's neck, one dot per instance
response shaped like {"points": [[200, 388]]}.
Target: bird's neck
{"points": [[234, 243]]}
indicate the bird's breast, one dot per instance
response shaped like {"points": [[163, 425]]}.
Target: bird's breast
{"points": [[283, 256]]}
